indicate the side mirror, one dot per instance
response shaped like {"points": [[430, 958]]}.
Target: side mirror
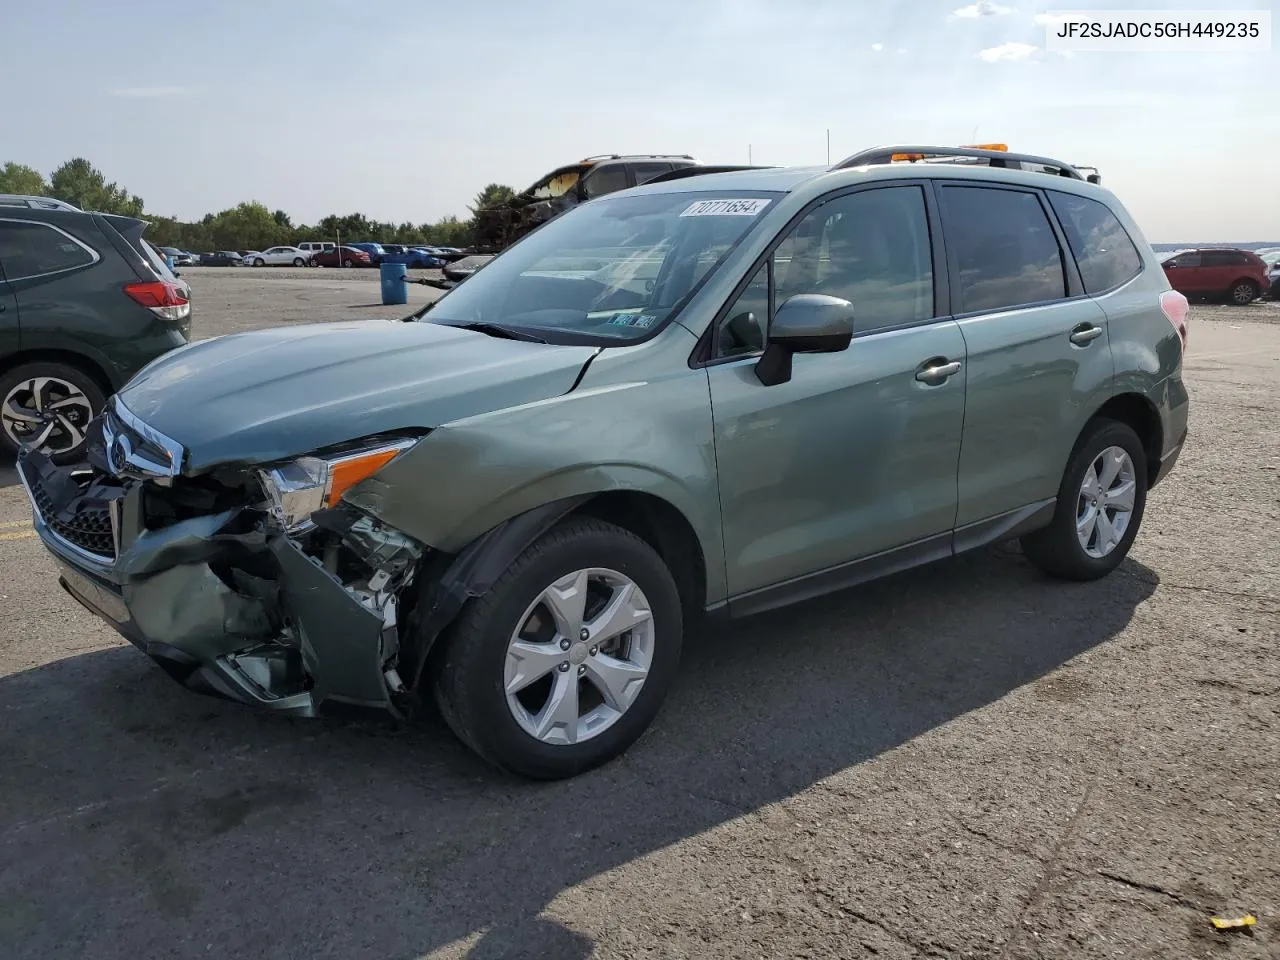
{"points": [[806, 323]]}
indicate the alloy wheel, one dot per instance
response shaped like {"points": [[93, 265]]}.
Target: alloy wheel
{"points": [[579, 656], [1105, 505], [1242, 293], [47, 413]]}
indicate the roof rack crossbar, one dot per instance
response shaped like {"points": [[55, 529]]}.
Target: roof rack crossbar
{"points": [[879, 155]]}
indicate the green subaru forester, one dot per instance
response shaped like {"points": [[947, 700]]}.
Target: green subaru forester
{"points": [[719, 392]]}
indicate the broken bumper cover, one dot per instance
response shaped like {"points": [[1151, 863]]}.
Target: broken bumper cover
{"points": [[223, 605]]}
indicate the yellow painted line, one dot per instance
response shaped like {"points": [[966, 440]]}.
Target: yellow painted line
{"points": [[20, 535], [12, 524]]}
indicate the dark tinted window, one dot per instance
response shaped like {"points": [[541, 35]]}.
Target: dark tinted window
{"points": [[604, 180], [30, 249], [1103, 250], [649, 170], [870, 248], [1184, 260], [1222, 258], [1007, 251]]}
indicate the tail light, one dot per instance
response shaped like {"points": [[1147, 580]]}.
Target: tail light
{"points": [[1176, 309], [162, 297]]}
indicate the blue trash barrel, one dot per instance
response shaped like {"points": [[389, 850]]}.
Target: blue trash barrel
{"points": [[394, 288]]}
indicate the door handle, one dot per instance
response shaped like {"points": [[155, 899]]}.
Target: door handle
{"points": [[937, 370], [1085, 334]]}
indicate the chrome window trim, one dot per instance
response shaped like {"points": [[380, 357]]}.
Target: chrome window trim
{"points": [[94, 255]]}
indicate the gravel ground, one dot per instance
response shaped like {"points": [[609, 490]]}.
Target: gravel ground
{"points": [[962, 761]]}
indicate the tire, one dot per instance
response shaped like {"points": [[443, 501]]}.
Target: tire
{"points": [[1243, 293], [259, 262], [348, 263], [68, 382], [299, 262], [469, 665], [1057, 549]]}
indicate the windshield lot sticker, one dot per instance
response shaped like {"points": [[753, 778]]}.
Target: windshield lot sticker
{"points": [[725, 208], [631, 319]]}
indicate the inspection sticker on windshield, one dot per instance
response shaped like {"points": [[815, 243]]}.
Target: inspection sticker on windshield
{"points": [[725, 208]]}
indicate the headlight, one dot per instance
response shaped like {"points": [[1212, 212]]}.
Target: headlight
{"points": [[301, 487]]}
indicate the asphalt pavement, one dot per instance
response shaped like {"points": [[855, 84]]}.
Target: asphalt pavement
{"points": [[967, 760]]}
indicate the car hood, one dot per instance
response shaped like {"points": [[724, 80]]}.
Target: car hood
{"points": [[270, 394]]}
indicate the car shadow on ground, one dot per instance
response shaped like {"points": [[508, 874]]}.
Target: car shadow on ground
{"points": [[137, 819]]}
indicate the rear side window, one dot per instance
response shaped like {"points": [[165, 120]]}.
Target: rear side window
{"points": [[1104, 251], [158, 263], [30, 249], [1006, 250]]}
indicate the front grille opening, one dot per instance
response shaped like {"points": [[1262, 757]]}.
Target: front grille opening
{"points": [[88, 528]]}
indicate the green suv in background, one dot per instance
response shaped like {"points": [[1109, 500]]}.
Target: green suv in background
{"points": [[717, 394], [85, 302]]}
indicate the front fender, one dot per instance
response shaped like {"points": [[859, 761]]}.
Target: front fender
{"points": [[468, 476]]}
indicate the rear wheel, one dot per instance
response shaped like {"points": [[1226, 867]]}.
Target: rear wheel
{"points": [[1243, 292], [299, 262], [48, 406], [348, 263], [1100, 505], [562, 665]]}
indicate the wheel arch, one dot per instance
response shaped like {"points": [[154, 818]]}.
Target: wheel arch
{"points": [[456, 579], [1139, 414], [86, 365]]}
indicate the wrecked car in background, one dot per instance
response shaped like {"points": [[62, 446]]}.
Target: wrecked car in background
{"points": [[502, 224]]}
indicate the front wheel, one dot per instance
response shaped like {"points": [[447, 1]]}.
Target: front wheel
{"points": [[259, 262], [348, 263], [562, 665], [1100, 506]]}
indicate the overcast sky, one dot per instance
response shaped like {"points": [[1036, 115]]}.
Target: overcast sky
{"points": [[405, 111]]}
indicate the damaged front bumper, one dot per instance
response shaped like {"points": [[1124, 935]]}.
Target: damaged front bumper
{"points": [[223, 600]]}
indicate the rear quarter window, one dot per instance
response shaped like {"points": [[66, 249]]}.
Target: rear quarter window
{"points": [[1104, 251], [29, 249]]}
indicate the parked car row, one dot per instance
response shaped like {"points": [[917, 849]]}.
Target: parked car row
{"points": [[1224, 273], [320, 254]]}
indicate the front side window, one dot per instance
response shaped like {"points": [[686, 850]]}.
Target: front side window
{"points": [[1007, 251], [33, 249], [1184, 260], [1104, 251], [871, 248], [608, 272]]}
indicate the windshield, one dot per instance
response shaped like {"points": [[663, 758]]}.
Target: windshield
{"points": [[607, 272]]}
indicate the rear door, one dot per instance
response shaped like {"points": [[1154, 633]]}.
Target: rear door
{"points": [[1038, 352], [8, 311], [1218, 268]]}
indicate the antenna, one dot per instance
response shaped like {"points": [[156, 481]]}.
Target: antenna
{"points": [[828, 146], [748, 153]]}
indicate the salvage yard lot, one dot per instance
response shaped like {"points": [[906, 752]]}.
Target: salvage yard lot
{"points": [[968, 760]]}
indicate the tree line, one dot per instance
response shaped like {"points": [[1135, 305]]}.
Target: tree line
{"points": [[246, 226]]}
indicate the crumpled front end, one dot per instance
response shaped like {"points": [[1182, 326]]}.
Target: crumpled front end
{"points": [[199, 574]]}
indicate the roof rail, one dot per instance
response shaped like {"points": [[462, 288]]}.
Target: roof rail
{"points": [[682, 172], [995, 158], [637, 156], [41, 203]]}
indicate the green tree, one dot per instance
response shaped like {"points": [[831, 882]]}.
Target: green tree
{"points": [[17, 178], [247, 226], [494, 193], [79, 182]]}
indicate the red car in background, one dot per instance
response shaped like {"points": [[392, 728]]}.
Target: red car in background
{"points": [[1238, 276], [341, 257]]}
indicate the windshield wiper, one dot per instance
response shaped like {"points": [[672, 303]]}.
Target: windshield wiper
{"points": [[498, 330]]}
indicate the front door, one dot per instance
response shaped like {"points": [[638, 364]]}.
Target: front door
{"points": [[856, 454], [1039, 354]]}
